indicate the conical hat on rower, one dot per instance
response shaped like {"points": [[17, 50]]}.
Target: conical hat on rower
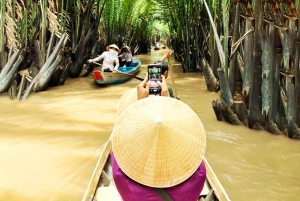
{"points": [[158, 141], [127, 99], [114, 46]]}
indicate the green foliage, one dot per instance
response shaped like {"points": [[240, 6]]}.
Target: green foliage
{"points": [[124, 20], [226, 12], [253, 4], [163, 29], [30, 24], [2, 24]]}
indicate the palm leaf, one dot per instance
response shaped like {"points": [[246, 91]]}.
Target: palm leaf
{"points": [[226, 12], [12, 42]]}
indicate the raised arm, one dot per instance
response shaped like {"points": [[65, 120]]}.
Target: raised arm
{"points": [[98, 58], [167, 54]]}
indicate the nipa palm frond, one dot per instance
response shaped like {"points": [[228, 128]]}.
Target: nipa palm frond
{"points": [[51, 5], [101, 39], [54, 25], [9, 8], [12, 42], [64, 21], [19, 12]]}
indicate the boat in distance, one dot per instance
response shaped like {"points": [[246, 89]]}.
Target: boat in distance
{"points": [[117, 77]]}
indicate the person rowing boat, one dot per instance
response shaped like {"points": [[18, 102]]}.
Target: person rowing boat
{"points": [[110, 57], [165, 69]]}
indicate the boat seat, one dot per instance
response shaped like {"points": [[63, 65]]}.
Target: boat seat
{"points": [[205, 189], [109, 193]]}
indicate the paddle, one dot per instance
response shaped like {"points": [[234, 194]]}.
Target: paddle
{"points": [[123, 73], [171, 72], [131, 75]]}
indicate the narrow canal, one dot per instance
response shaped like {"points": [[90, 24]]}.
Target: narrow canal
{"points": [[50, 142]]}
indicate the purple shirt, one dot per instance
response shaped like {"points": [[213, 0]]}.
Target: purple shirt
{"points": [[127, 56], [130, 190]]}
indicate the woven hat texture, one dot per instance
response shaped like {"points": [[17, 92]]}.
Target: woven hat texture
{"points": [[114, 46], [126, 47], [127, 99], [158, 141]]}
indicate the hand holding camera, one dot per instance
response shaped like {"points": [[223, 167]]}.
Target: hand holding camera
{"points": [[143, 89], [154, 76], [163, 86]]}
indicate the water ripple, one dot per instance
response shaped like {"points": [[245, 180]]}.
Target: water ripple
{"points": [[222, 136]]}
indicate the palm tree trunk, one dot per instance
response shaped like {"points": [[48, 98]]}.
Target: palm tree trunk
{"points": [[248, 58], [210, 79], [277, 106], [43, 34], [226, 95], [233, 70], [255, 105], [9, 64], [297, 71], [45, 78], [268, 58], [2, 25], [225, 17], [2, 34], [5, 82], [49, 61], [50, 44], [38, 54]]}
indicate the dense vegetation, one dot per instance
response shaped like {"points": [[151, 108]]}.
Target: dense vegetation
{"points": [[260, 80], [247, 50]]}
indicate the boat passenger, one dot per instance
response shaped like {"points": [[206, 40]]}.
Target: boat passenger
{"points": [[127, 55], [138, 171], [110, 57], [167, 54], [164, 71]]}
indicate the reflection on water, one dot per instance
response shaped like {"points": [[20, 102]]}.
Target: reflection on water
{"points": [[50, 143]]}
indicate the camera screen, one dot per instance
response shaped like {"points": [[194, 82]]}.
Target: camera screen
{"points": [[154, 75]]}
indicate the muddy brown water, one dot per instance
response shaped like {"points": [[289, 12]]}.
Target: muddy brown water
{"points": [[50, 143]]}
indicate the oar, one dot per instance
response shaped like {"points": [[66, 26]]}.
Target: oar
{"points": [[124, 73], [138, 78], [172, 78]]}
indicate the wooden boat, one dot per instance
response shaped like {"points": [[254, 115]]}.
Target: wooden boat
{"points": [[117, 77], [102, 188], [156, 46]]}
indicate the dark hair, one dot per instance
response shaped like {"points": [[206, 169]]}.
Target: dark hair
{"points": [[164, 66]]}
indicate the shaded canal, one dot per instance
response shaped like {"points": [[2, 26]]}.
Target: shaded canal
{"points": [[50, 142]]}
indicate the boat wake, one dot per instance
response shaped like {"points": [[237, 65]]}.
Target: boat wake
{"points": [[221, 136]]}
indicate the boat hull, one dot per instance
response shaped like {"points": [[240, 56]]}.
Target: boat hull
{"points": [[117, 77], [102, 187]]}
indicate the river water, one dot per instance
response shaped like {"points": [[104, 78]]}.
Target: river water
{"points": [[50, 143]]}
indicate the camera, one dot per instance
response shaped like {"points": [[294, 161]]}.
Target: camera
{"points": [[154, 75]]}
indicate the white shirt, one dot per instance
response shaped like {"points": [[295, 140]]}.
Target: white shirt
{"points": [[108, 63]]}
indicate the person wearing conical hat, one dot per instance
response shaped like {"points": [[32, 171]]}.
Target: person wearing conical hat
{"points": [[110, 57], [127, 55], [165, 72], [158, 145]]}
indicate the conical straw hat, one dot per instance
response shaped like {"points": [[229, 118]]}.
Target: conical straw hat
{"points": [[158, 141], [114, 46], [127, 99]]}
